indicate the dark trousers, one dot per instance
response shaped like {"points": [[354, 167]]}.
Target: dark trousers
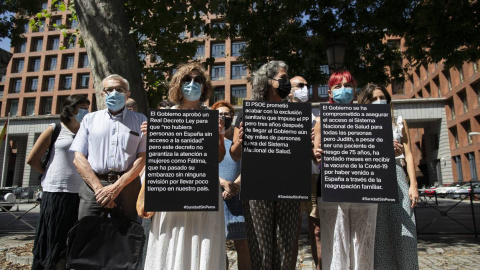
{"points": [[272, 232], [126, 201]]}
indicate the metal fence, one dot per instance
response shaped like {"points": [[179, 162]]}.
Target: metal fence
{"points": [[456, 214]]}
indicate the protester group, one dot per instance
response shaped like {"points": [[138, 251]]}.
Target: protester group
{"points": [[97, 163]]}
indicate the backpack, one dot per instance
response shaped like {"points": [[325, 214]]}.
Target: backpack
{"points": [[46, 157]]}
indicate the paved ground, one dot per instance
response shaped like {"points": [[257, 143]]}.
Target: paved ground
{"points": [[448, 252]]}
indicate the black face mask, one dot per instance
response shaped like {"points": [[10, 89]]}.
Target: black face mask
{"points": [[284, 87], [228, 122]]}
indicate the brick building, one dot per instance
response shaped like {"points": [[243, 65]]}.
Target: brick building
{"points": [[41, 75]]}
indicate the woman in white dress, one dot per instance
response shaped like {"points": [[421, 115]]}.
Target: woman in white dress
{"points": [[187, 240]]}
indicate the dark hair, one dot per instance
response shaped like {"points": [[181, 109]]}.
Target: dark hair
{"points": [[69, 107], [366, 95], [165, 104]]}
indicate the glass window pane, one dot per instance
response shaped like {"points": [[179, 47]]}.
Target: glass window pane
{"points": [[218, 73], [29, 106], [237, 46], [13, 107], [218, 50], [238, 93]]}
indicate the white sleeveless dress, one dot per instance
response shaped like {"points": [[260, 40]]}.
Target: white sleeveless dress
{"points": [[187, 240]]}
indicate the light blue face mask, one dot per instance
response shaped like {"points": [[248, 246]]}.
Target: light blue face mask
{"points": [[115, 101], [81, 113], [380, 101], [343, 95], [192, 90]]}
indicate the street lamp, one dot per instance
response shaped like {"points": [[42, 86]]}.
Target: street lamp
{"points": [[336, 54]]}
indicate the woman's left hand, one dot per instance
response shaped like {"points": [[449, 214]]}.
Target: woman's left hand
{"points": [[398, 148], [413, 195]]}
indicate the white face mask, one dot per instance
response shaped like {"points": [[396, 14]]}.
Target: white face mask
{"points": [[380, 101], [301, 94]]}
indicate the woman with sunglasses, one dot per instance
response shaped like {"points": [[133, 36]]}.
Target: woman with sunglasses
{"points": [[347, 229], [396, 235], [272, 226], [187, 240]]}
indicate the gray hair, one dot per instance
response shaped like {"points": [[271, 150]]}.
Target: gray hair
{"points": [[261, 77], [117, 77]]}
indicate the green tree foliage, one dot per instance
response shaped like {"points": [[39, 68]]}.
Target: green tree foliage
{"points": [[14, 16]]}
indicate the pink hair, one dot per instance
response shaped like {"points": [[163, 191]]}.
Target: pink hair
{"points": [[338, 76]]}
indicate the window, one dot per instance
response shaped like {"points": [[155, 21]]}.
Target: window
{"points": [[239, 93], [466, 127], [218, 73], [475, 67], [183, 34], [37, 44], [13, 107], [55, 23], [473, 167], [436, 81], [68, 61], [70, 41], [32, 84], [453, 130], [310, 92], [449, 79], [21, 48], [29, 106], [34, 64], [477, 90], [2, 89], [463, 97], [83, 63], [398, 86], [239, 71], [66, 82], [53, 43], [460, 74], [72, 23], [324, 69], [51, 63], [237, 47], [46, 105], [200, 54], [322, 90], [40, 26], [218, 94], [394, 44], [218, 50], [428, 89], [45, 6], [458, 163], [15, 86], [60, 101], [17, 66], [2, 77], [199, 33], [452, 109], [83, 80], [48, 83]]}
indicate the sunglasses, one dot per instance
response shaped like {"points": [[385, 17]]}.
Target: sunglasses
{"points": [[196, 79], [301, 85], [109, 90]]}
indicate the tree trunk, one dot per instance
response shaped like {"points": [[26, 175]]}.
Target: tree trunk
{"points": [[104, 27]]}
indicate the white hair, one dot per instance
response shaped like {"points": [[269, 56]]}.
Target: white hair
{"points": [[118, 77]]}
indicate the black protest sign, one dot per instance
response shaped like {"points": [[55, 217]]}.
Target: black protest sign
{"points": [[359, 161], [276, 151], [182, 161]]}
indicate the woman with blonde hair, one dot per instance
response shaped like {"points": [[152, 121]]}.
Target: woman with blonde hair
{"points": [[187, 240]]}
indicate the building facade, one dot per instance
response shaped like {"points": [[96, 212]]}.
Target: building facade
{"points": [[47, 68]]}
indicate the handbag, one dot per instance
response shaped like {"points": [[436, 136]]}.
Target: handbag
{"points": [[105, 242]]}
